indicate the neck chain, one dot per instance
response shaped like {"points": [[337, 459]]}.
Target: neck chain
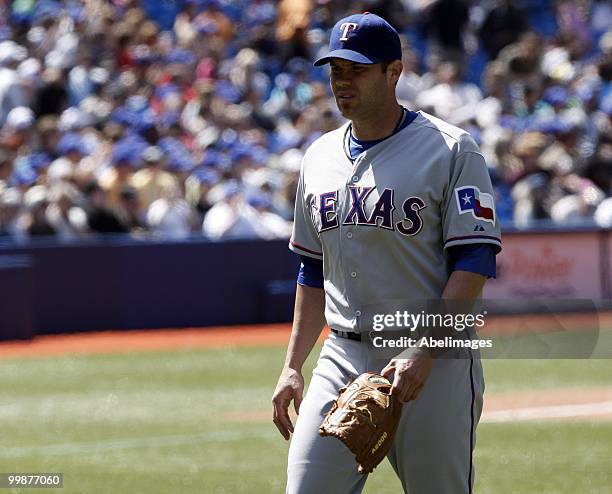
{"points": [[349, 132]]}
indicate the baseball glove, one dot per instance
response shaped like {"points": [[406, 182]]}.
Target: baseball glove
{"points": [[364, 417]]}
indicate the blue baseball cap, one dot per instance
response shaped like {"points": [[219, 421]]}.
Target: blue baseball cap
{"points": [[71, 142], [363, 38]]}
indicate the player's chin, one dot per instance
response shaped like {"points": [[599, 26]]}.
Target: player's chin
{"points": [[346, 106]]}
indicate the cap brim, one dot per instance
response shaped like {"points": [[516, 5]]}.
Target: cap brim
{"points": [[349, 55]]}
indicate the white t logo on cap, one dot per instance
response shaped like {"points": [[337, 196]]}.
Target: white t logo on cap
{"points": [[346, 28]]}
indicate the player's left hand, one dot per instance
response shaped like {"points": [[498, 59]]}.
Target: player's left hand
{"points": [[290, 387], [409, 374]]}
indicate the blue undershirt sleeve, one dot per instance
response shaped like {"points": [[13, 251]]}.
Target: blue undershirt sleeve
{"points": [[475, 258], [311, 272]]}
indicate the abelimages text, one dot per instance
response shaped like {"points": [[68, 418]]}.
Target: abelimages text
{"points": [[430, 342]]}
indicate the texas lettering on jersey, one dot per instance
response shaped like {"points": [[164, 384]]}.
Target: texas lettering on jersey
{"points": [[381, 215]]}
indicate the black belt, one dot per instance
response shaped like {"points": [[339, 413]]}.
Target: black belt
{"points": [[347, 334]]}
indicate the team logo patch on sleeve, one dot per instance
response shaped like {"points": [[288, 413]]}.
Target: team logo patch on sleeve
{"points": [[471, 200]]}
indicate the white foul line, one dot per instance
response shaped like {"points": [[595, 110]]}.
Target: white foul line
{"points": [[136, 442], [548, 412]]}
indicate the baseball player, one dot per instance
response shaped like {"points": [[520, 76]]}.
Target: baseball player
{"points": [[393, 206]]}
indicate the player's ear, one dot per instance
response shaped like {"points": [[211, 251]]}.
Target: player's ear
{"points": [[394, 70]]}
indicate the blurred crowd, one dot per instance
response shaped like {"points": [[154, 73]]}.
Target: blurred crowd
{"points": [[190, 117]]}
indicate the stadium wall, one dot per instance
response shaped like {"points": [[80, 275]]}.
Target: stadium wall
{"points": [[126, 284], [122, 283]]}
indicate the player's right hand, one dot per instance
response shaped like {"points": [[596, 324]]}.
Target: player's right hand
{"points": [[409, 374], [290, 386]]}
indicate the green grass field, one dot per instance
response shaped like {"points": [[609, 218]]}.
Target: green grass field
{"points": [[169, 422]]}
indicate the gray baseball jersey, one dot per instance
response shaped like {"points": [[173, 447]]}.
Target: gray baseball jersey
{"points": [[382, 224]]}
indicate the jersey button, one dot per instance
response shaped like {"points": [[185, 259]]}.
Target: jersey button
{"points": [[355, 178], [353, 274], [358, 313], [349, 235]]}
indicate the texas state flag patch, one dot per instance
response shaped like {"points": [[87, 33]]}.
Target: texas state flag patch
{"points": [[480, 204]]}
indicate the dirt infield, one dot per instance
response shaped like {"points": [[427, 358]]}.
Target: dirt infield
{"points": [[135, 341], [546, 404]]}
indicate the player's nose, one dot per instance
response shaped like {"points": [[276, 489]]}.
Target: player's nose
{"points": [[342, 82], [341, 77]]}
